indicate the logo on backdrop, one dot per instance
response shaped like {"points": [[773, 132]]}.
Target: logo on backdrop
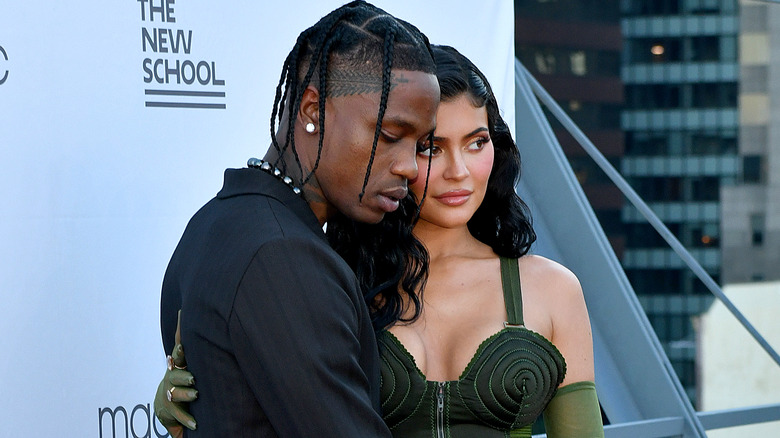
{"points": [[173, 78], [122, 422], [3, 71]]}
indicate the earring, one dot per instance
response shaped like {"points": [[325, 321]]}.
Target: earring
{"points": [[310, 128]]}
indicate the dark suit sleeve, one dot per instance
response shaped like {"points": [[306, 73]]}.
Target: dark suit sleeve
{"points": [[170, 303], [297, 324]]}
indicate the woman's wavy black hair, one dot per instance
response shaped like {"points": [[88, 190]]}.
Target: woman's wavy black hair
{"points": [[503, 220], [391, 264]]}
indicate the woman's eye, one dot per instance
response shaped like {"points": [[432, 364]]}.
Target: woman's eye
{"points": [[478, 144]]}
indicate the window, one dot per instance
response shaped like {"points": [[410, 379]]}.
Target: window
{"points": [[647, 50], [702, 235], [701, 7], [751, 168], [681, 143], [545, 63], [659, 189], [706, 188], [713, 142], [653, 96], [578, 63], [705, 48], [671, 49], [644, 143], [714, 95], [643, 235], [655, 281], [556, 60], [698, 287], [757, 224], [656, 7]]}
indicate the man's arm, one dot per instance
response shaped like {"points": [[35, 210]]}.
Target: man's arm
{"points": [[300, 328]]}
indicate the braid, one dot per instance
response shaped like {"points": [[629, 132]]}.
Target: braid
{"points": [[322, 48], [358, 40], [297, 91], [279, 99], [290, 90], [288, 77], [427, 178], [386, 71], [321, 102], [292, 87]]}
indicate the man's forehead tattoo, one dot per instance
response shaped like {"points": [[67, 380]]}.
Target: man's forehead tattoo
{"points": [[344, 82]]}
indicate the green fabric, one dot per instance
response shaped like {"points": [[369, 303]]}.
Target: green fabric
{"points": [[504, 388], [524, 432], [574, 412], [513, 295]]}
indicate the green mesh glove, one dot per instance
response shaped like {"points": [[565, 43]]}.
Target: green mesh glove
{"points": [[173, 394], [574, 412]]}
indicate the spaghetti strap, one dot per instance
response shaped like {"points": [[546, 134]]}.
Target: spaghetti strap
{"points": [[513, 297]]}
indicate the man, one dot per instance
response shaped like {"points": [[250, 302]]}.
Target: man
{"points": [[275, 323]]}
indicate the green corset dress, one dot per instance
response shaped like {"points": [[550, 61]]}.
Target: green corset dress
{"points": [[504, 388]]}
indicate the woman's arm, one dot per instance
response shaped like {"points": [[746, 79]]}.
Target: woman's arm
{"points": [[571, 331], [574, 412]]}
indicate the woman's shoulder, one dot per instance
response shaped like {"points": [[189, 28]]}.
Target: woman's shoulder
{"points": [[537, 266], [555, 279]]}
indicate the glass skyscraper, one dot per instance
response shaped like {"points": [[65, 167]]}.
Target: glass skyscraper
{"points": [[681, 73], [654, 84]]}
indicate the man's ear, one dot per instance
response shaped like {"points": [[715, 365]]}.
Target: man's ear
{"points": [[310, 107]]}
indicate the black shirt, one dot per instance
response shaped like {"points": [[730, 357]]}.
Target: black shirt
{"points": [[273, 322]]}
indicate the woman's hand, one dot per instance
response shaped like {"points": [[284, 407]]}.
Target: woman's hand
{"points": [[174, 390]]}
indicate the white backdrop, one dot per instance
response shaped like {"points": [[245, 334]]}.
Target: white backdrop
{"points": [[96, 186]]}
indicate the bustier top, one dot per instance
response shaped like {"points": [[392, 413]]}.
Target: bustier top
{"points": [[504, 388]]}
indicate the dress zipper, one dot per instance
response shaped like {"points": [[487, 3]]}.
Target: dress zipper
{"points": [[440, 410]]}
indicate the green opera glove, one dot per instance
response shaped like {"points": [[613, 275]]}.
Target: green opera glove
{"points": [[173, 393], [574, 412]]}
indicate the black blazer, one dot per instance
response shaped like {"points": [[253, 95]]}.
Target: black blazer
{"points": [[273, 322]]}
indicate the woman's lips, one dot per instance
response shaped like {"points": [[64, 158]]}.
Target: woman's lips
{"points": [[454, 197]]}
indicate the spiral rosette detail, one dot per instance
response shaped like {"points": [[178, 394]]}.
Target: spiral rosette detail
{"points": [[402, 385], [511, 379]]}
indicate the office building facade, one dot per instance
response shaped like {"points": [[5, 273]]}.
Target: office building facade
{"points": [[681, 72], [654, 85], [573, 48], [751, 208]]}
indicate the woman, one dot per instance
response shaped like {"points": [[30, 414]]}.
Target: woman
{"points": [[503, 335]]}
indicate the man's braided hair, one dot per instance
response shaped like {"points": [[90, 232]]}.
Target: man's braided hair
{"points": [[353, 50]]}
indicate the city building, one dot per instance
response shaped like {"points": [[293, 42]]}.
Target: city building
{"points": [[750, 212], [654, 85], [573, 48], [681, 73]]}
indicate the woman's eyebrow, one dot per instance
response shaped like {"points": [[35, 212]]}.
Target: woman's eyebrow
{"points": [[470, 134]]}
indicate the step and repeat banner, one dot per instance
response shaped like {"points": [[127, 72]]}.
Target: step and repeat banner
{"points": [[117, 120]]}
